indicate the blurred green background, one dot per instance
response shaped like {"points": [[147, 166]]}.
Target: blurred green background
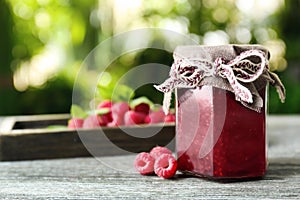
{"points": [[43, 43]]}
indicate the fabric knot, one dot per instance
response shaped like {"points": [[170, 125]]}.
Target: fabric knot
{"points": [[243, 69]]}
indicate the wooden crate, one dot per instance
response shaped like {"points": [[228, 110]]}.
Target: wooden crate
{"points": [[27, 137]]}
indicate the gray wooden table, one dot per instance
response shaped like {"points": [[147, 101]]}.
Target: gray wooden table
{"points": [[113, 177]]}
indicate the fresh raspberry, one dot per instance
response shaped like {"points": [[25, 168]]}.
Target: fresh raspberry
{"points": [[158, 151], [104, 104], [155, 117], [170, 118], [118, 111], [165, 166], [144, 163], [91, 121], [112, 124], [141, 104], [75, 123], [104, 119], [143, 108], [132, 118]]}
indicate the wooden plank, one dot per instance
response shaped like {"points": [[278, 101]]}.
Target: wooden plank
{"points": [[27, 139], [88, 178], [23, 138], [284, 139], [9, 124], [113, 177]]}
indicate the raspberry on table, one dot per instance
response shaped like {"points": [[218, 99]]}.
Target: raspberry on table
{"points": [[144, 163], [118, 111], [105, 104], [165, 166], [132, 117], [143, 108], [159, 150], [91, 121], [155, 117], [170, 118], [75, 123]]}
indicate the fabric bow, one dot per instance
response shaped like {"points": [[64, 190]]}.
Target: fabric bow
{"points": [[188, 73]]}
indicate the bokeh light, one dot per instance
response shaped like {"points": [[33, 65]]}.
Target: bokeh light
{"points": [[52, 37]]}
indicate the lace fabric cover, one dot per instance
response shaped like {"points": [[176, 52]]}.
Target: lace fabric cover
{"points": [[241, 69]]}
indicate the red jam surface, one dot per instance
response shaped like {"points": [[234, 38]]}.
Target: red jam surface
{"points": [[217, 136]]}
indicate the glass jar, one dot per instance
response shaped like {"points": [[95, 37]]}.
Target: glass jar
{"points": [[218, 137], [221, 109]]}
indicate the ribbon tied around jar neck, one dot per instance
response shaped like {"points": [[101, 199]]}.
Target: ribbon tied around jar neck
{"points": [[189, 72]]}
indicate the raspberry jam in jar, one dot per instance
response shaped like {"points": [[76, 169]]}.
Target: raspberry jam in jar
{"points": [[221, 109], [218, 137]]}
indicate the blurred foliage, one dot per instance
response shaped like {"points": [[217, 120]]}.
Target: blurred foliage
{"points": [[289, 31], [48, 38], [45, 41]]}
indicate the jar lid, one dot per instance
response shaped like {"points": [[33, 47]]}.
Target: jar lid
{"points": [[241, 69]]}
